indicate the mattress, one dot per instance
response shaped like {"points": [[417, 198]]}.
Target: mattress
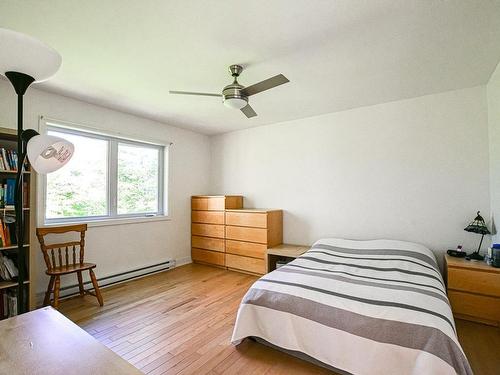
{"points": [[361, 307]]}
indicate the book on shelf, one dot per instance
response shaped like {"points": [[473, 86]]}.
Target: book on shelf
{"points": [[8, 160], [7, 231], [8, 296], [8, 270], [12, 303], [7, 194], [10, 188], [26, 194], [8, 303]]}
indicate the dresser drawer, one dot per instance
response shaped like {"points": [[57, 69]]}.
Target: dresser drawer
{"points": [[258, 235], [208, 203], [249, 249], [247, 219], [206, 256], [474, 281], [209, 230], [473, 305], [208, 217], [208, 243], [246, 264]]}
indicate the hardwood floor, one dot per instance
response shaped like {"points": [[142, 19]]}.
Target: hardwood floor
{"points": [[180, 322]]}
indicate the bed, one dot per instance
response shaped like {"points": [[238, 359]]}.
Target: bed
{"points": [[357, 307]]}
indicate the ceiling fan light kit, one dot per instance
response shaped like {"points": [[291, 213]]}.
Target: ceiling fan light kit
{"points": [[236, 103], [236, 96]]}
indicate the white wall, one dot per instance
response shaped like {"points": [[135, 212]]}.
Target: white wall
{"points": [[493, 92], [413, 170], [120, 248]]}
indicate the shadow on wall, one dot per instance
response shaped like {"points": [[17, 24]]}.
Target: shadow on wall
{"points": [[494, 236], [493, 226]]}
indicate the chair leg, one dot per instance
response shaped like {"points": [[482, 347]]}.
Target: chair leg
{"points": [[56, 292], [96, 288], [80, 283], [46, 300]]}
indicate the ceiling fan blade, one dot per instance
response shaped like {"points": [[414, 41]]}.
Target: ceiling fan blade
{"points": [[265, 85], [194, 93], [248, 111]]}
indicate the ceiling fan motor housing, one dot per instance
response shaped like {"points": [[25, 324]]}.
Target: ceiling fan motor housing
{"points": [[232, 96]]}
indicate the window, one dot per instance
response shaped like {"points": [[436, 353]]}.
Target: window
{"points": [[138, 179], [107, 178]]}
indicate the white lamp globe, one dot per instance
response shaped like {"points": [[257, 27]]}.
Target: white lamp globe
{"points": [[235, 103], [47, 153], [24, 54]]}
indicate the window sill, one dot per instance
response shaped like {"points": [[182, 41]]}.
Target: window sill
{"points": [[114, 221]]}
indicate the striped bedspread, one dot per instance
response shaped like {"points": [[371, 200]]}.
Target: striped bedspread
{"points": [[360, 307]]}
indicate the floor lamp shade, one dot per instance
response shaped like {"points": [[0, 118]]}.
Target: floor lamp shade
{"points": [[47, 153], [25, 54]]}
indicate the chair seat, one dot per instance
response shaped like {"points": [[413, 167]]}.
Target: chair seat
{"points": [[70, 269]]}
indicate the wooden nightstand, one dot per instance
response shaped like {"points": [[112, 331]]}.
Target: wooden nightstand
{"points": [[283, 251], [474, 290]]}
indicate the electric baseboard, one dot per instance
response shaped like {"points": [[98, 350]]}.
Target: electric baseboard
{"points": [[106, 281]]}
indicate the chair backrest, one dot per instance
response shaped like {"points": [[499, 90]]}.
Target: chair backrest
{"points": [[53, 258]]}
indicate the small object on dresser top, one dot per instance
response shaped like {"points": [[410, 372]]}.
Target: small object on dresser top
{"points": [[495, 256], [455, 253], [459, 253]]}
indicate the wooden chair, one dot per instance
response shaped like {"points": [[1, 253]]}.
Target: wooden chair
{"points": [[66, 250]]}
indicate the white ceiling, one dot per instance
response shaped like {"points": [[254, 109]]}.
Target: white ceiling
{"points": [[338, 54]]}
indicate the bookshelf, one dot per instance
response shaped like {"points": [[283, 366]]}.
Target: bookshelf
{"points": [[8, 141]]}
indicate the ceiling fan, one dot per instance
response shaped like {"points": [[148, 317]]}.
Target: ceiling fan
{"points": [[236, 96]]}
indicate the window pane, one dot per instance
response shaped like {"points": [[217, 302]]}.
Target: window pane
{"points": [[137, 179], [80, 188]]}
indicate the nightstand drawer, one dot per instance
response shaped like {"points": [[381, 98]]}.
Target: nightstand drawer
{"points": [[247, 219], [209, 230], [249, 249], [207, 217], [247, 264], [474, 281], [477, 306], [258, 235], [206, 256], [208, 243]]}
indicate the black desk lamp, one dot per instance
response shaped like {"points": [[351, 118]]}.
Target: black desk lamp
{"points": [[477, 226], [25, 60]]}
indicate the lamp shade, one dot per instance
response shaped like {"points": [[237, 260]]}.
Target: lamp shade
{"points": [[24, 54], [477, 226], [47, 153]]}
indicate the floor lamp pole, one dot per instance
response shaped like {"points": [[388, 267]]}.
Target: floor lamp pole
{"points": [[21, 82]]}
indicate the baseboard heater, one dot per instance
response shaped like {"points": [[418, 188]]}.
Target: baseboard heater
{"points": [[71, 290]]}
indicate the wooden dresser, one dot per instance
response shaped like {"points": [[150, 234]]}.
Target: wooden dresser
{"points": [[249, 232], [474, 290], [207, 227]]}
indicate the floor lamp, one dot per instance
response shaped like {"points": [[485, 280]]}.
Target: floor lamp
{"points": [[23, 61]]}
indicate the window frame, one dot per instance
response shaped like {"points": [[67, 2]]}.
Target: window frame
{"points": [[113, 140]]}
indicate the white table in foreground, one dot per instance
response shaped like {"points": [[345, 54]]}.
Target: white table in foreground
{"points": [[44, 341]]}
